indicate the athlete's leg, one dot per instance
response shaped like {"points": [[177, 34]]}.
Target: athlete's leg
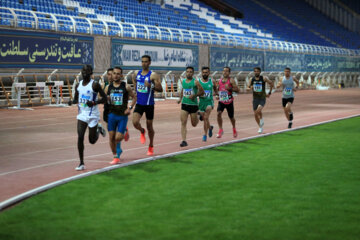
{"points": [[93, 134], [194, 119], [183, 118], [112, 142], [136, 122], [151, 132], [258, 114], [206, 119], [81, 128]]}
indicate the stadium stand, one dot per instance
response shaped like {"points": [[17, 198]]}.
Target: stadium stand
{"points": [[277, 25]]}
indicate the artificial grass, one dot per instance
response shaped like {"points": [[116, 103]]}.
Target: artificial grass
{"points": [[302, 184]]}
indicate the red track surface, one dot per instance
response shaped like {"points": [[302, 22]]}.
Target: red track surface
{"points": [[38, 147]]}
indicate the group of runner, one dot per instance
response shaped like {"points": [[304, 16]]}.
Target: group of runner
{"points": [[115, 95]]}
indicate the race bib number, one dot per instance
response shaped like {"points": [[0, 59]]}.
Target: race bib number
{"points": [[207, 94], [83, 99], [288, 91], [258, 87], [116, 98], [140, 87], [223, 95], [188, 93]]}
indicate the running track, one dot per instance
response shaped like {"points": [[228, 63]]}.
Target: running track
{"points": [[38, 147]]}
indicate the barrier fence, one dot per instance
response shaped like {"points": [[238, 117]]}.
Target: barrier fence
{"points": [[57, 89]]}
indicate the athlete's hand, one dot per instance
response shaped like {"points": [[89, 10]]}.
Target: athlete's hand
{"points": [[268, 95], [192, 96], [127, 111], [227, 87], [248, 89], [90, 103], [217, 98], [69, 102], [178, 101]]}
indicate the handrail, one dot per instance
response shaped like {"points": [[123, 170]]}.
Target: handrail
{"points": [[273, 44]]}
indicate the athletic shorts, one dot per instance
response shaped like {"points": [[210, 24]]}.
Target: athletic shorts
{"points": [[148, 109], [203, 104], [91, 121], [117, 123], [257, 102], [229, 108], [189, 108], [286, 100]]}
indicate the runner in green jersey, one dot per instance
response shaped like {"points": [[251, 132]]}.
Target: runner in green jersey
{"points": [[206, 103], [191, 89]]}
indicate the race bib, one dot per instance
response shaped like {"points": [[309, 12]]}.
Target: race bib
{"points": [[288, 91], [116, 99], [188, 92], [207, 93], [258, 87], [223, 95], [83, 99], [140, 87]]}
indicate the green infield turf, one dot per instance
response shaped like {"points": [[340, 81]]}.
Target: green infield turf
{"points": [[301, 184]]}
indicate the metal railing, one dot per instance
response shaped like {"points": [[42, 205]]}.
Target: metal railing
{"points": [[62, 23]]}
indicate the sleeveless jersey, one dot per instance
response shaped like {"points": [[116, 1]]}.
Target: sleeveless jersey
{"points": [[118, 98], [145, 96], [288, 85], [208, 89], [225, 96], [86, 93], [188, 90], [258, 88]]}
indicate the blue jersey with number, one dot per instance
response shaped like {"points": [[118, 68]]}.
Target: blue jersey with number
{"points": [[145, 95]]}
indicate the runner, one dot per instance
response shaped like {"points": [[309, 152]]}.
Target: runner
{"points": [[226, 87], [118, 93], [287, 84], [86, 92], [145, 82], [206, 103], [257, 84]]}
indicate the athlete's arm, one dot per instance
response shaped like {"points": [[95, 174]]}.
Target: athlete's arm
{"points": [[106, 93], [200, 89], [235, 87], [155, 78], [134, 80], [215, 88], [97, 88], [133, 96], [249, 87], [181, 96], [271, 85], [76, 97], [296, 81], [279, 84]]}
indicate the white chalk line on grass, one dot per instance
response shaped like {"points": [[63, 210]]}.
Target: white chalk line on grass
{"points": [[32, 192]]}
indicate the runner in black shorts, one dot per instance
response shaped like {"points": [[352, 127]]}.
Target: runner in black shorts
{"points": [[191, 89], [257, 84]]}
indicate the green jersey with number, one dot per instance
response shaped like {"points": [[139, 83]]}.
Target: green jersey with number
{"points": [[189, 88]]}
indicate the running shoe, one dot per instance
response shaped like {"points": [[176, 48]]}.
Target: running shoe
{"points": [[81, 167], [211, 131], [101, 130], [115, 161], [220, 133], [150, 151], [204, 138], [260, 130], [142, 137], [183, 144], [234, 132], [127, 135]]}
